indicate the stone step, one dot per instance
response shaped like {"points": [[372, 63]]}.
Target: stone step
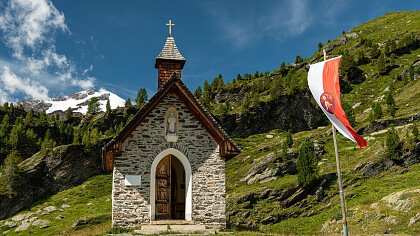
{"points": [[174, 228], [172, 222]]}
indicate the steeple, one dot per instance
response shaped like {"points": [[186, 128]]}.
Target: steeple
{"points": [[169, 60]]}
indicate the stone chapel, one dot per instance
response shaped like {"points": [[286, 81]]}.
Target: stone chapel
{"points": [[168, 162]]}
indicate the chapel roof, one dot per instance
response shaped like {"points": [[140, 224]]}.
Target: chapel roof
{"points": [[170, 50], [228, 148]]}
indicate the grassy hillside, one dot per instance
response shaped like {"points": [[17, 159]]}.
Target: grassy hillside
{"points": [[368, 214], [89, 203]]}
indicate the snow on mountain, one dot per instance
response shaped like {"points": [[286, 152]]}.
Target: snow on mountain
{"points": [[79, 101]]}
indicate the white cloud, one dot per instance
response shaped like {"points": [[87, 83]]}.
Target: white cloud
{"points": [[12, 83], [26, 24], [289, 18], [29, 29]]}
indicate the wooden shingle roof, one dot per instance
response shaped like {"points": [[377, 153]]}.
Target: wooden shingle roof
{"points": [[170, 51], [228, 148]]}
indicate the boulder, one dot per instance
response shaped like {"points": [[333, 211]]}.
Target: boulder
{"points": [[41, 223], [374, 168], [49, 209]]}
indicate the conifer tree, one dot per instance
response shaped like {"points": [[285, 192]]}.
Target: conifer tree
{"points": [[393, 145], [128, 103], [29, 119], [307, 164], [382, 67], [69, 113], [320, 46], [108, 106], [389, 100], [289, 139], [141, 98], [298, 59], [86, 138], [11, 173], [42, 119], [198, 92], [93, 106], [4, 127]]}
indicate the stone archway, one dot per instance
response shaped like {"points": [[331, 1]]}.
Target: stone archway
{"points": [[188, 181]]}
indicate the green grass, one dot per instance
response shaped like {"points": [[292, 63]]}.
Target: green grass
{"points": [[363, 192], [91, 200]]}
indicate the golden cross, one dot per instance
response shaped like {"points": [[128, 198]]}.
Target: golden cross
{"points": [[170, 26]]}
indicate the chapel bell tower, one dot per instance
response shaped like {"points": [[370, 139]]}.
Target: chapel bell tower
{"points": [[169, 60]]}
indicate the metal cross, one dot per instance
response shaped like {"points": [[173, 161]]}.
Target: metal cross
{"points": [[170, 26]]}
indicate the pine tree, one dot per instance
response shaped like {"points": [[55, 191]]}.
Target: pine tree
{"points": [[94, 135], [11, 173], [69, 113], [389, 100], [108, 106], [86, 138], [307, 164], [141, 98], [4, 127], [376, 112], [289, 139], [374, 51], [42, 119], [393, 145], [30, 146], [198, 92], [17, 136], [382, 66], [128, 103], [298, 59], [93, 106], [29, 119], [320, 46]]}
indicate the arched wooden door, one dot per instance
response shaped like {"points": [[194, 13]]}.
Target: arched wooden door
{"points": [[170, 189]]}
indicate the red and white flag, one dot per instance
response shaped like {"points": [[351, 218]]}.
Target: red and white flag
{"points": [[325, 87]]}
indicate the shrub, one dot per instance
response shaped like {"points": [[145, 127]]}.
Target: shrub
{"points": [[307, 165], [289, 139]]}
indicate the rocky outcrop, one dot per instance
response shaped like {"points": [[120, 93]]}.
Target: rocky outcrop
{"points": [[295, 113], [381, 125], [62, 168]]}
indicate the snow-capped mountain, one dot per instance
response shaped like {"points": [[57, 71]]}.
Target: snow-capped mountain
{"points": [[78, 102]]}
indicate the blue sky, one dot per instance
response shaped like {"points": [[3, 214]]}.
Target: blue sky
{"points": [[57, 47]]}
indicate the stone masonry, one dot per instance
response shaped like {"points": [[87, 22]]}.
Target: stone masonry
{"points": [[131, 205]]}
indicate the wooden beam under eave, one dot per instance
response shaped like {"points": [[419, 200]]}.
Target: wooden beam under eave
{"points": [[109, 161]]}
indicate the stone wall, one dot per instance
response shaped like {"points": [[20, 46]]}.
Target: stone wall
{"points": [[131, 205]]}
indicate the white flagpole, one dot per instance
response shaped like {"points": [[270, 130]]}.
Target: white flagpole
{"points": [[340, 184]]}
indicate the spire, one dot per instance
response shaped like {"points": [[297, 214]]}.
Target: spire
{"points": [[170, 50], [169, 60]]}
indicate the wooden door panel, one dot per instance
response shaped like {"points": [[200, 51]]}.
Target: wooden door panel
{"points": [[163, 189]]}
